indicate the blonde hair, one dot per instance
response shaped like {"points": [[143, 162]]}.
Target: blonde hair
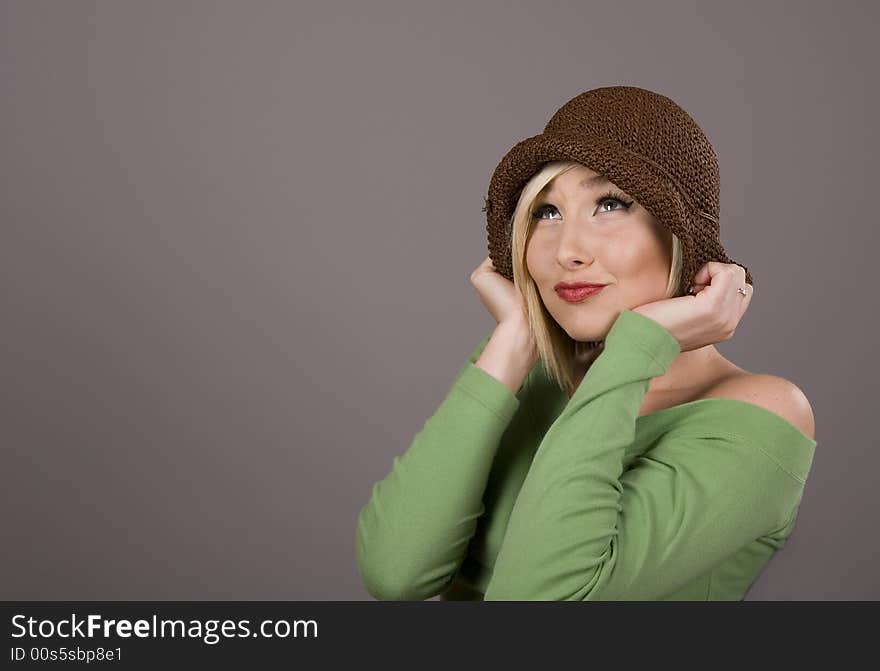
{"points": [[557, 350]]}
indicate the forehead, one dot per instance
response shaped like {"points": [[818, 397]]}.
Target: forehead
{"points": [[576, 179]]}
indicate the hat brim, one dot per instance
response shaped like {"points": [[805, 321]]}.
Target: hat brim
{"points": [[635, 174]]}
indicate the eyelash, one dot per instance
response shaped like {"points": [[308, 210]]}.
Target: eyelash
{"points": [[610, 195]]}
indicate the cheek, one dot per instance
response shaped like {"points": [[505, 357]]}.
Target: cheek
{"points": [[536, 260], [540, 264], [632, 255], [625, 256]]}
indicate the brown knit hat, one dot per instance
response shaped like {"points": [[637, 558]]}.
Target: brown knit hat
{"points": [[646, 145]]}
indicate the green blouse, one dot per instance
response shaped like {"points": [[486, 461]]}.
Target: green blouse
{"points": [[535, 496]]}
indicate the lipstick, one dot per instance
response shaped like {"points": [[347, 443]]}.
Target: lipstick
{"points": [[579, 294]]}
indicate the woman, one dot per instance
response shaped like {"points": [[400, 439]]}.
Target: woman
{"points": [[596, 445]]}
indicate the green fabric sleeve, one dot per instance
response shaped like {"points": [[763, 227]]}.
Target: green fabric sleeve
{"points": [[413, 533], [583, 529]]}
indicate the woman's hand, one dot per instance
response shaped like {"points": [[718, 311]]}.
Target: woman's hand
{"points": [[511, 351], [712, 314], [498, 294]]}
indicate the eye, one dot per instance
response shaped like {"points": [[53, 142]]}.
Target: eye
{"points": [[612, 199], [609, 197], [537, 213]]}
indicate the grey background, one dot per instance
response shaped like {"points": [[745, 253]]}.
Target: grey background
{"points": [[237, 240]]}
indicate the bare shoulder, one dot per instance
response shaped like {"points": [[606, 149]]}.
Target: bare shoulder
{"points": [[772, 392]]}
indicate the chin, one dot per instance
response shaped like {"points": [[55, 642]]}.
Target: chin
{"points": [[589, 330]]}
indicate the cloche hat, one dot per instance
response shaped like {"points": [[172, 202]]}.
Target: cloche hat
{"points": [[641, 141]]}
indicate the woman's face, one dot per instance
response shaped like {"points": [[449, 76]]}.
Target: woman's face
{"points": [[582, 235]]}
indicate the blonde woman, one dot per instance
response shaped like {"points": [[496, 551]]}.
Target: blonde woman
{"points": [[596, 445]]}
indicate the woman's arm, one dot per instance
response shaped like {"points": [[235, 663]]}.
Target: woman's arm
{"points": [[509, 355], [582, 529], [413, 533]]}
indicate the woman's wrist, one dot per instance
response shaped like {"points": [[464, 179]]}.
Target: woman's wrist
{"points": [[509, 355]]}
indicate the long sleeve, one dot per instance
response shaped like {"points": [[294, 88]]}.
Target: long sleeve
{"points": [[413, 533], [583, 529]]}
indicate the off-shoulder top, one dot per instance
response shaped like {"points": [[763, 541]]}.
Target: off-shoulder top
{"points": [[538, 496]]}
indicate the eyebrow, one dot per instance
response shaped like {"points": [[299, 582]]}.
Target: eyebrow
{"points": [[595, 180]]}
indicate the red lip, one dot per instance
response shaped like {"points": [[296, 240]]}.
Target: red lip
{"points": [[575, 285], [578, 294]]}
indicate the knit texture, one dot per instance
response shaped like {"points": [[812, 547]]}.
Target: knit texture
{"points": [[641, 141]]}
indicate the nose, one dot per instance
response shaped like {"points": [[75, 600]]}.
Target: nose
{"points": [[573, 250]]}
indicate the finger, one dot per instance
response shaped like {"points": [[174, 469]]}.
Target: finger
{"points": [[748, 289], [485, 264], [712, 269], [709, 270], [744, 303]]}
